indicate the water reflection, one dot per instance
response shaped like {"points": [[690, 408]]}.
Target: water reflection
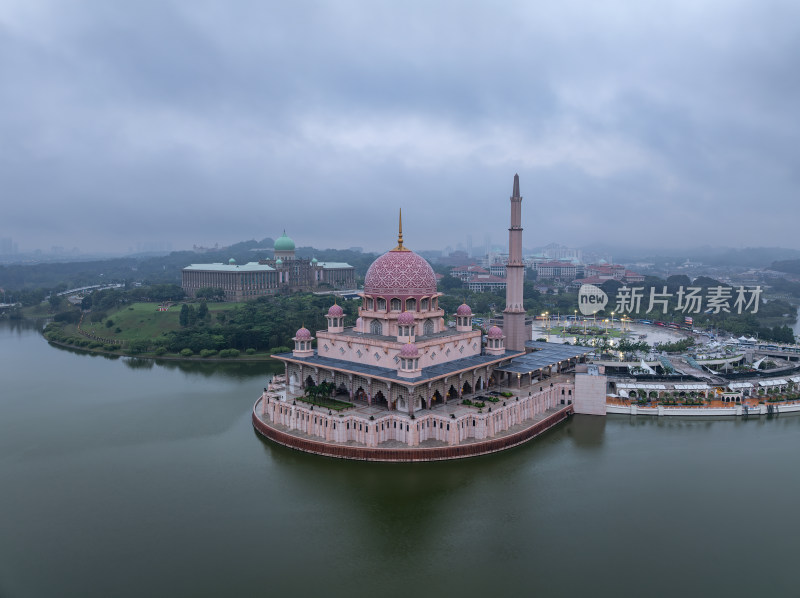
{"points": [[22, 325], [235, 370], [136, 363], [587, 431]]}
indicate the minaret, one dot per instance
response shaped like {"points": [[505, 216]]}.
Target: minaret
{"points": [[514, 313]]}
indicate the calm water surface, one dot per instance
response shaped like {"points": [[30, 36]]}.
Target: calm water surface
{"points": [[127, 478]]}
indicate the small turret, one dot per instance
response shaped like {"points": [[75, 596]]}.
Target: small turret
{"points": [[464, 318], [302, 343], [405, 327], [409, 361], [335, 318], [494, 341]]}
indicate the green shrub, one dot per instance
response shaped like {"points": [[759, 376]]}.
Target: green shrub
{"points": [[207, 352], [251, 351], [229, 353], [160, 350], [187, 352], [111, 347], [138, 346]]}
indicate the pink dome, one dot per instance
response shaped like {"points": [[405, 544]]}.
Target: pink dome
{"points": [[335, 311], [464, 310], [495, 332], [405, 319], [409, 350], [303, 334], [398, 273]]}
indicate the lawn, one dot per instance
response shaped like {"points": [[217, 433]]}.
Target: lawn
{"points": [[334, 404], [143, 321]]}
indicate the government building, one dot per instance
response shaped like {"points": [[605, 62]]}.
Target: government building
{"points": [[285, 272]]}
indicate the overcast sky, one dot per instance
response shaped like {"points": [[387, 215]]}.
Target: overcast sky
{"points": [[124, 124]]}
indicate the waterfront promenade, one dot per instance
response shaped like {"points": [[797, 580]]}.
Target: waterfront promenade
{"points": [[712, 409], [449, 431]]}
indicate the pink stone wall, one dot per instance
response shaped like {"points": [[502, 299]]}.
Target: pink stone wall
{"points": [[590, 394], [347, 348], [371, 453]]}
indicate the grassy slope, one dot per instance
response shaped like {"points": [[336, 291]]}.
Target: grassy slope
{"points": [[144, 321]]}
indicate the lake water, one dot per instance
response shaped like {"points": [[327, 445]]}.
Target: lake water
{"points": [[128, 478]]}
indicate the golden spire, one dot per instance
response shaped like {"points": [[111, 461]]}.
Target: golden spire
{"points": [[400, 235]]}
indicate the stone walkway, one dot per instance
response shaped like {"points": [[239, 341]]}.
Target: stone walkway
{"points": [[430, 443]]}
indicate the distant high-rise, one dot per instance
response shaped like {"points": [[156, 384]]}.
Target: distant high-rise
{"points": [[7, 246], [514, 313]]}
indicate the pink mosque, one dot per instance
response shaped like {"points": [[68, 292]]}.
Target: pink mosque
{"points": [[407, 373]]}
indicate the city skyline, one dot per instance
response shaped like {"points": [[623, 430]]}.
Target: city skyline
{"points": [[138, 125]]}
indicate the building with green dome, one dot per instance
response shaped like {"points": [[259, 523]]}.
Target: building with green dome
{"points": [[284, 272], [284, 247]]}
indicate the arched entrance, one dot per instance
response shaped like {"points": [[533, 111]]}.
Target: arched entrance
{"points": [[436, 399], [466, 389], [479, 384], [310, 382], [380, 399], [452, 393]]}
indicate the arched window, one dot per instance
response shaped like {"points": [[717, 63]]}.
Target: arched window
{"points": [[375, 327], [427, 328], [395, 304], [411, 304], [369, 304], [381, 304], [423, 305]]}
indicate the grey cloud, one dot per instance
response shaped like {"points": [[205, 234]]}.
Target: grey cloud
{"points": [[215, 122]]}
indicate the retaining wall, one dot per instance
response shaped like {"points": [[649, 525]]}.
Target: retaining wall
{"points": [[410, 454]]}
